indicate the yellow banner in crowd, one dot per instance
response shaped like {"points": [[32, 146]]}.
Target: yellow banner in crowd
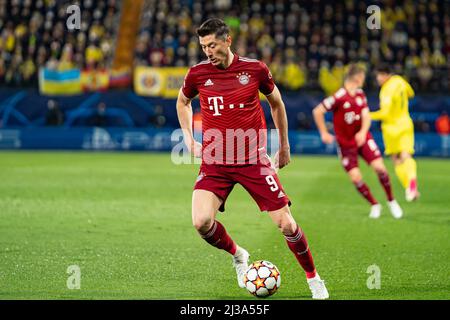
{"points": [[93, 80], [159, 82]]}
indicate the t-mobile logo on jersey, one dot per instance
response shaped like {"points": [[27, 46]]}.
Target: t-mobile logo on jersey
{"points": [[216, 106]]}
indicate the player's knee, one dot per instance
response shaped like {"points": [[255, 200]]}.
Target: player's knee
{"points": [[356, 181], [404, 155], [288, 228], [396, 160], [379, 168], [202, 224], [356, 177], [286, 224]]}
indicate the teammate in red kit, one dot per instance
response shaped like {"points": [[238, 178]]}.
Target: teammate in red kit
{"points": [[233, 149], [351, 125]]}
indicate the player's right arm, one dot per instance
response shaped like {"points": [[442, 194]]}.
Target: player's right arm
{"points": [[184, 112], [319, 118]]}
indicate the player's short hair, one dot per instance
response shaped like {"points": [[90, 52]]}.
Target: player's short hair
{"points": [[354, 69], [214, 26], [383, 68]]}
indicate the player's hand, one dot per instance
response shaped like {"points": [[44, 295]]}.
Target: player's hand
{"points": [[360, 138], [282, 157], [327, 138], [197, 146]]}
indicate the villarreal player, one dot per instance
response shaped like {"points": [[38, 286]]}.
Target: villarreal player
{"points": [[397, 127]]}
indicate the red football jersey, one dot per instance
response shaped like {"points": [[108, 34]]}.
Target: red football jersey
{"points": [[230, 107], [347, 117]]}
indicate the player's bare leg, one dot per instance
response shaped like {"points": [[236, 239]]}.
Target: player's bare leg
{"points": [[356, 178], [383, 176], [298, 244], [205, 205]]}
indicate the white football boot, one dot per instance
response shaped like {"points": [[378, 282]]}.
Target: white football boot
{"points": [[396, 211], [375, 211], [240, 262], [317, 287]]}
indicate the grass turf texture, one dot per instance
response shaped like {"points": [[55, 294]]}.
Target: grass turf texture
{"points": [[125, 220]]}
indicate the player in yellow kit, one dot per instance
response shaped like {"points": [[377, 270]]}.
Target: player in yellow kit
{"points": [[397, 127]]}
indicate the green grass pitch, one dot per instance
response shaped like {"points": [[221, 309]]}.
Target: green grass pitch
{"points": [[125, 220]]}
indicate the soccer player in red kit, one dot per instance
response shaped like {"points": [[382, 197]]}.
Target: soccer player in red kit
{"points": [[228, 87], [351, 121]]}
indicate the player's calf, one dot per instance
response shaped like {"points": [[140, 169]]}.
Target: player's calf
{"points": [[298, 244], [383, 177], [364, 190], [218, 237], [295, 239], [385, 182]]}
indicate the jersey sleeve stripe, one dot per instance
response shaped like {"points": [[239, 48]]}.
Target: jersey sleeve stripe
{"points": [[247, 59]]}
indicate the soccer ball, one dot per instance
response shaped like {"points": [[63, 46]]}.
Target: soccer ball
{"points": [[262, 278]]}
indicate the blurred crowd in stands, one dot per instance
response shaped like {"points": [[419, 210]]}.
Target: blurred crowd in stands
{"points": [[307, 43], [34, 34]]}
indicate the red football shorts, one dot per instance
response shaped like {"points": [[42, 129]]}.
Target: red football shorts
{"points": [[260, 180], [349, 156]]}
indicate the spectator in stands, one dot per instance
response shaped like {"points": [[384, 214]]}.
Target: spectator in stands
{"points": [[93, 55], [414, 37], [294, 76], [54, 116], [33, 34], [66, 61], [313, 33], [99, 119], [424, 72], [443, 124], [157, 119]]}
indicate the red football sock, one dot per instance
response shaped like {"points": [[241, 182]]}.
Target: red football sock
{"points": [[218, 237], [299, 246], [386, 183], [365, 192]]}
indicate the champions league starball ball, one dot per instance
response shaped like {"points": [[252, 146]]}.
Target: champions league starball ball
{"points": [[262, 278]]}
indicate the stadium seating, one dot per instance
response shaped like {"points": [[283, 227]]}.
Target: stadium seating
{"points": [[296, 41], [306, 52], [33, 34]]}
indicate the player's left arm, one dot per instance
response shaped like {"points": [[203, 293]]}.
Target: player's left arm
{"points": [[360, 136], [278, 111]]}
